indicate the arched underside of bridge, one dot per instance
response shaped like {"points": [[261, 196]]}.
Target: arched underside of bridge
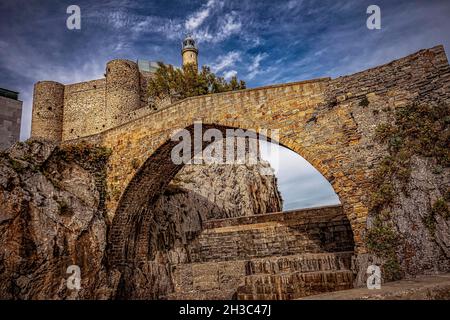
{"points": [[132, 233]]}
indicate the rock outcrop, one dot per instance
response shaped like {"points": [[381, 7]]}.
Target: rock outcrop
{"points": [[52, 216], [234, 189]]}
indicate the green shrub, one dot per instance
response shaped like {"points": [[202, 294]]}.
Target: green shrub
{"points": [[382, 240], [188, 82], [64, 208], [364, 102], [16, 165], [440, 207]]}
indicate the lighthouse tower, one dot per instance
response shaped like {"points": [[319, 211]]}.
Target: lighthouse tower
{"points": [[189, 52]]}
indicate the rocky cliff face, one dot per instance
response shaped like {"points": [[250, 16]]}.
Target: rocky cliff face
{"points": [[234, 189], [52, 216]]}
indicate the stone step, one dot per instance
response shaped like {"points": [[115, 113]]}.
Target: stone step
{"points": [[294, 285], [276, 234], [308, 262], [298, 216], [227, 279]]}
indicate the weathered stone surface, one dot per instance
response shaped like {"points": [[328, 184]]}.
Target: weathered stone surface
{"points": [[423, 250], [234, 189], [51, 217], [272, 256]]}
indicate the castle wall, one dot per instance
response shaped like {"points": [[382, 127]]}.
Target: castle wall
{"points": [[48, 103], [84, 109], [67, 112], [122, 89]]}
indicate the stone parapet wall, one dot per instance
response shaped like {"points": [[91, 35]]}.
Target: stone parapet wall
{"points": [[274, 234], [301, 216]]}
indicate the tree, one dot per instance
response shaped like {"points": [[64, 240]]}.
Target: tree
{"points": [[188, 82]]}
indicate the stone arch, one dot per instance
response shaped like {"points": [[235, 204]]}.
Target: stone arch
{"points": [[131, 227]]}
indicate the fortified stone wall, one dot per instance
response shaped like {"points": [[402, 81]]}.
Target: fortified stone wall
{"points": [[84, 108], [48, 106], [66, 112]]}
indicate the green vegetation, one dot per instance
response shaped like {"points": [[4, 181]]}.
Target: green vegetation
{"points": [[439, 208], [188, 82], [421, 130], [417, 130], [382, 240], [16, 165], [64, 208], [364, 102], [85, 154]]}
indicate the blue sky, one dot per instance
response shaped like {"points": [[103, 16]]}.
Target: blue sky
{"points": [[263, 42]]}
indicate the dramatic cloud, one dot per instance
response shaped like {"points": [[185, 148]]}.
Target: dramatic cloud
{"points": [[226, 61], [254, 67], [196, 19], [229, 74], [264, 42], [229, 25]]}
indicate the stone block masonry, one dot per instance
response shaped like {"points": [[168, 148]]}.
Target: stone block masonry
{"points": [[323, 120], [274, 234], [283, 255], [65, 112]]}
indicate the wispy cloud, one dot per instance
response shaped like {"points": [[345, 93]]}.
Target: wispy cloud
{"points": [[225, 61], [229, 74], [254, 67], [197, 18], [211, 23]]}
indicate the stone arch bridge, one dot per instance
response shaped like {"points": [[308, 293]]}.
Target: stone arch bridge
{"points": [[329, 122]]}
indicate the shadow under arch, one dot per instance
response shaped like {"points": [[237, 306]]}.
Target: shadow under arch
{"points": [[129, 235]]}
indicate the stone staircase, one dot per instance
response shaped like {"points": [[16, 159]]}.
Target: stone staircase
{"points": [[284, 255]]}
